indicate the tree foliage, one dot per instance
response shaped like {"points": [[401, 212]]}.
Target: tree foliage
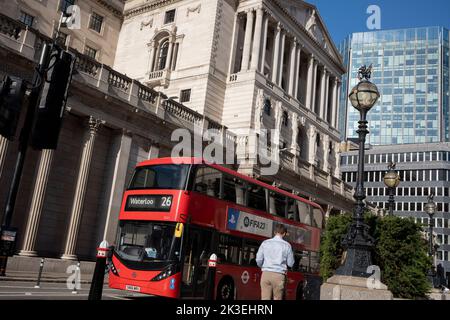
{"points": [[400, 252]]}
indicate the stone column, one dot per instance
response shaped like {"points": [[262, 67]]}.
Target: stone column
{"points": [[257, 39], [312, 133], [309, 83], [151, 62], [326, 146], [327, 91], [297, 71], [169, 54], [276, 53], [294, 145], [281, 69], [338, 101], [247, 41], [292, 64], [80, 190], [322, 93], [123, 142], [314, 88], [334, 103], [154, 151], [264, 47], [3, 152], [37, 203], [337, 158]]}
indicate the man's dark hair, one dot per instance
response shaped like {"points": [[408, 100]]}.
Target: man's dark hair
{"points": [[280, 228]]}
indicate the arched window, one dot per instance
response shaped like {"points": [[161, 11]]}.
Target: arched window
{"points": [[162, 57]]}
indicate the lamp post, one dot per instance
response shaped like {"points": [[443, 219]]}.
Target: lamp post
{"points": [[391, 180], [430, 209], [358, 242]]}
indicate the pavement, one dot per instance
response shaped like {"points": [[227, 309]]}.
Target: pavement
{"points": [[25, 290], [20, 285]]}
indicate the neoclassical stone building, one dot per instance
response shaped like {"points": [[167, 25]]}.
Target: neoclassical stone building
{"points": [[250, 65], [241, 65]]}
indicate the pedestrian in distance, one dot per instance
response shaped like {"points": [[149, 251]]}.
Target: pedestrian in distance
{"points": [[274, 257]]}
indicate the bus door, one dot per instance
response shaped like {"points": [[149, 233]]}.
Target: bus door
{"points": [[197, 250]]}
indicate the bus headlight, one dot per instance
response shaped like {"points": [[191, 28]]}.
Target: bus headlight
{"points": [[167, 272], [113, 269]]}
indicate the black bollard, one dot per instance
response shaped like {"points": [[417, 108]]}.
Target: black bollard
{"points": [[41, 267], [210, 280], [95, 292]]}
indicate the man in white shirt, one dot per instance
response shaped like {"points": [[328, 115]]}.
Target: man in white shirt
{"points": [[274, 257]]}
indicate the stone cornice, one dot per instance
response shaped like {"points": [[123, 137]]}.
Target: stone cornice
{"points": [[107, 4], [147, 7]]}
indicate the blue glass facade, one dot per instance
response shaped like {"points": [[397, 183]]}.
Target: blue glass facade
{"points": [[411, 70]]}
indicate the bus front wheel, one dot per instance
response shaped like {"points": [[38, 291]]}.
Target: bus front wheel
{"points": [[225, 289]]}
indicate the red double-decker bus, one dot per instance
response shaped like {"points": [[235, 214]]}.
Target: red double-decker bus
{"points": [[176, 212]]}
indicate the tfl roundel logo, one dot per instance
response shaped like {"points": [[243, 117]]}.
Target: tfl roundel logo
{"points": [[246, 221]]}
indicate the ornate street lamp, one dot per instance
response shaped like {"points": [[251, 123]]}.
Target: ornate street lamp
{"points": [[358, 242], [430, 209], [391, 180]]}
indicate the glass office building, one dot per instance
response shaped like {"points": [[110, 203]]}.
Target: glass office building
{"points": [[411, 70]]}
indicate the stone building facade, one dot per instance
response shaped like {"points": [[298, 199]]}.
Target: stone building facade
{"points": [[117, 116]]}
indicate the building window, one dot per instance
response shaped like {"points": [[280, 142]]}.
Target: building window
{"points": [[163, 52], [267, 106], [185, 95], [26, 18], [169, 17], [285, 118], [65, 4], [90, 52], [96, 22]]}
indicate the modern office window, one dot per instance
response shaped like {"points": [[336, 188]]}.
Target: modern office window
{"points": [[185, 95], [90, 52], [26, 18], [96, 22], [169, 16], [419, 206]]}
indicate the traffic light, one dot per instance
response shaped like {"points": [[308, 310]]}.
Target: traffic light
{"points": [[12, 92], [49, 113]]}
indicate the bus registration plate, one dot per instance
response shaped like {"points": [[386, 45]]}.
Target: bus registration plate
{"points": [[133, 288]]}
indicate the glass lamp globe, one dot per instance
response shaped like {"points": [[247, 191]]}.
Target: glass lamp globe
{"points": [[391, 179], [364, 95]]}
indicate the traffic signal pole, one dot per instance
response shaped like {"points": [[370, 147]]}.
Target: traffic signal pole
{"points": [[33, 100]]}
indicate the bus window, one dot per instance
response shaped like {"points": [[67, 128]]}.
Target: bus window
{"points": [[303, 261], [256, 197], [315, 262], [207, 181], [304, 210], [292, 210], [277, 204], [249, 251], [234, 190], [229, 249], [167, 176], [318, 217]]}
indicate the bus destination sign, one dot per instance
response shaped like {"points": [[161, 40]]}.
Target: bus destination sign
{"points": [[148, 203]]}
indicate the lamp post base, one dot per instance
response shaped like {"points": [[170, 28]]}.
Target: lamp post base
{"points": [[354, 288], [357, 261]]}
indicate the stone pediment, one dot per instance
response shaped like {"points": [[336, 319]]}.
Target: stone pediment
{"points": [[308, 16]]}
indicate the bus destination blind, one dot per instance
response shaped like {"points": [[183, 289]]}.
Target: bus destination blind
{"points": [[148, 203]]}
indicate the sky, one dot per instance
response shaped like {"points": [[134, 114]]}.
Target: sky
{"points": [[343, 17]]}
